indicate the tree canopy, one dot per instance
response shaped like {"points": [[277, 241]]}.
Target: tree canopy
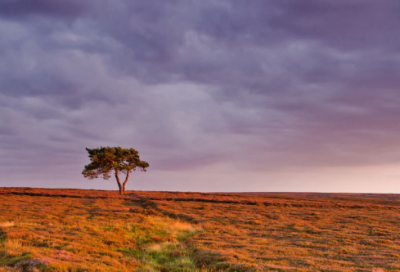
{"points": [[104, 160]]}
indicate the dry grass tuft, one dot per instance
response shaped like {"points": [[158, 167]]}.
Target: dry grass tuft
{"points": [[13, 244], [6, 224]]}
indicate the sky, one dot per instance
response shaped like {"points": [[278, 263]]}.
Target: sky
{"points": [[218, 96]]}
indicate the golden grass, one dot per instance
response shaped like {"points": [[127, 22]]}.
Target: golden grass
{"points": [[78, 230]]}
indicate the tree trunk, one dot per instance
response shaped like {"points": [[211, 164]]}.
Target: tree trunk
{"points": [[126, 180], [119, 183]]}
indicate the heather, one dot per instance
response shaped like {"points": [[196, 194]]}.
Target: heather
{"points": [[88, 230]]}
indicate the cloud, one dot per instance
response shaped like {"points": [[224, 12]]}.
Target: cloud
{"points": [[56, 9], [261, 86]]}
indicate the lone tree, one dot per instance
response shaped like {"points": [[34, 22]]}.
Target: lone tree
{"points": [[106, 159]]}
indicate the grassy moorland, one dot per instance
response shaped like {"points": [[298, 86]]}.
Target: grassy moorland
{"points": [[87, 230]]}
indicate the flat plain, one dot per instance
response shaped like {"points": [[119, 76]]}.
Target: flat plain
{"points": [[89, 230]]}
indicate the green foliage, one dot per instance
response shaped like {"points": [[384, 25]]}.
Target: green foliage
{"points": [[105, 159], [158, 248]]}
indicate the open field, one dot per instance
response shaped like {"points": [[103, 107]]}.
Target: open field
{"points": [[88, 230]]}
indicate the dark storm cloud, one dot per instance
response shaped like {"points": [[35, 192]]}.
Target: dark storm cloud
{"points": [[259, 84], [350, 25], [20, 8]]}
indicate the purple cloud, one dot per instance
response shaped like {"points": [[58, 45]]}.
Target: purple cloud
{"points": [[258, 86]]}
